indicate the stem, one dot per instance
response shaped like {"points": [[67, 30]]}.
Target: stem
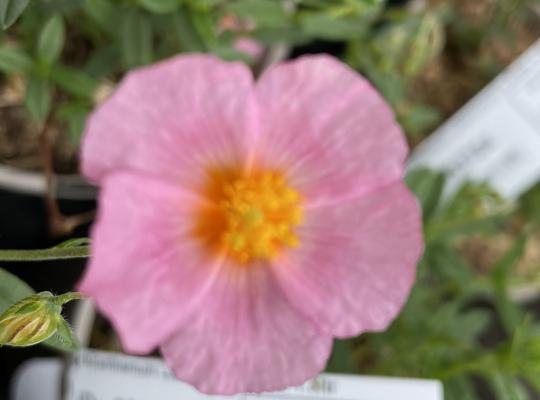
{"points": [[55, 253], [59, 224], [67, 297]]}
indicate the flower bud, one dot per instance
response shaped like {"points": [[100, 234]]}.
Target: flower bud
{"points": [[30, 321]]}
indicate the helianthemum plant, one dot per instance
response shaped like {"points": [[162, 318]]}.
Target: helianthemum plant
{"points": [[243, 225]]}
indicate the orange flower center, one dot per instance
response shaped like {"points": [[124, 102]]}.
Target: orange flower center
{"points": [[251, 217]]}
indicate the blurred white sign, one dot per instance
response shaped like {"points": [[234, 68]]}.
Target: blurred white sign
{"points": [[496, 136], [96, 375]]}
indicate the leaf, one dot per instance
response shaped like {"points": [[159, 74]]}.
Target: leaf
{"points": [[187, 35], [14, 60], [51, 40], [64, 339], [324, 26], [460, 388], [341, 360], [12, 289], [529, 205], [135, 39], [75, 115], [428, 187], [264, 13], [103, 62], [511, 315], [507, 387], [502, 268], [419, 119], [38, 98], [102, 12], [10, 10], [74, 81], [159, 6]]}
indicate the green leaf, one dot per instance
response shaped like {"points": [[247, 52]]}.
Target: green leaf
{"points": [[14, 60], [324, 26], [101, 11], [187, 35], [507, 387], [103, 62], [511, 315], [419, 119], [504, 265], [341, 360], [159, 6], [529, 205], [12, 289], [428, 187], [51, 40], [74, 81], [54, 253], [475, 208], [10, 10], [75, 115], [136, 39], [460, 388], [63, 339], [264, 13], [75, 242], [38, 98]]}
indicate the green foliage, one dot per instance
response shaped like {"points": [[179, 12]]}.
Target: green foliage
{"points": [[135, 39], [38, 98], [441, 333], [51, 39], [14, 60], [10, 11], [159, 6]]}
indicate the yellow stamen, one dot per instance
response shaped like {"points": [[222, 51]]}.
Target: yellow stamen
{"points": [[255, 215]]}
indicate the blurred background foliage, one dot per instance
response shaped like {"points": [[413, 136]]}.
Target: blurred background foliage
{"points": [[473, 318]]}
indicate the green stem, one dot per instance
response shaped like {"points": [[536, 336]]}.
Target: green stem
{"points": [[55, 253], [67, 297]]}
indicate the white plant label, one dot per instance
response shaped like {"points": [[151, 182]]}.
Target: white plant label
{"points": [[496, 136], [97, 375]]}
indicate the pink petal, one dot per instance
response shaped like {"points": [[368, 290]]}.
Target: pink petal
{"points": [[245, 337], [173, 119], [145, 272], [357, 261], [327, 125]]}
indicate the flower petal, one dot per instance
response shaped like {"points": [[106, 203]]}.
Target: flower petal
{"points": [[145, 273], [173, 119], [245, 337], [357, 261], [327, 125]]}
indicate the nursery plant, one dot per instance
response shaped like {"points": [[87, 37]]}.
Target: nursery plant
{"points": [[251, 206]]}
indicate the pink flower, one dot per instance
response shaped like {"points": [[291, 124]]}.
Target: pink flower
{"points": [[251, 47], [242, 226]]}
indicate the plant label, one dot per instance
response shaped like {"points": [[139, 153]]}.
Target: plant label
{"points": [[98, 375], [496, 136]]}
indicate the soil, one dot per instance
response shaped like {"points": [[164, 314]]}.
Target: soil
{"points": [[20, 137], [462, 70]]}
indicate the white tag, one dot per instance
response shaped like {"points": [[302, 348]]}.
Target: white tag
{"points": [[496, 136], [97, 375]]}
